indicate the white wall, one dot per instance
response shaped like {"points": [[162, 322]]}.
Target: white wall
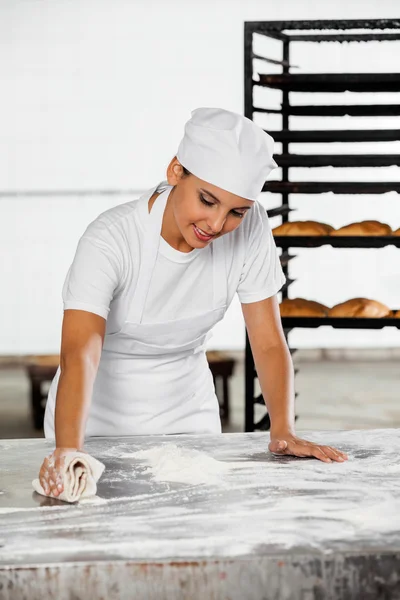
{"points": [[94, 97]]}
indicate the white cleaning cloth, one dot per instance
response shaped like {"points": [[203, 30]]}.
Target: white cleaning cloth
{"points": [[81, 473]]}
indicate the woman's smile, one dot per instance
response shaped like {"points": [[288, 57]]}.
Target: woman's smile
{"points": [[201, 235]]}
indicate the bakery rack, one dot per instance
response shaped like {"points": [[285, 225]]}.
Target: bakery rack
{"points": [[334, 31]]}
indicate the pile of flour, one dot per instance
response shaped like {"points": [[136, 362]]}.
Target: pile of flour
{"points": [[170, 462]]}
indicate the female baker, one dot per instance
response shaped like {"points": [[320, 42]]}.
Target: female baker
{"points": [[150, 279]]}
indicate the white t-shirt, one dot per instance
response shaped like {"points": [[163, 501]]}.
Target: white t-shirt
{"points": [[107, 260]]}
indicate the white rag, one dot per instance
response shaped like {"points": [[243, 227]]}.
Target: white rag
{"points": [[80, 476]]}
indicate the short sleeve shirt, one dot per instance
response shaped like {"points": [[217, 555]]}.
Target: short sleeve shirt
{"points": [[107, 262]]}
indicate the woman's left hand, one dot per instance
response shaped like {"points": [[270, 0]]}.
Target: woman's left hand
{"points": [[290, 444]]}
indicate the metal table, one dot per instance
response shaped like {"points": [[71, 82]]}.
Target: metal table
{"points": [[271, 528]]}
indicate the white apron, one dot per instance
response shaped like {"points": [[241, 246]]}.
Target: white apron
{"points": [[154, 378]]}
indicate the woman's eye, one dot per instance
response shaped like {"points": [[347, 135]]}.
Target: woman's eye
{"points": [[204, 201], [234, 212]]}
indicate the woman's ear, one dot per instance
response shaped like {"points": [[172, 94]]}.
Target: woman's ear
{"points": [[174, 171]]}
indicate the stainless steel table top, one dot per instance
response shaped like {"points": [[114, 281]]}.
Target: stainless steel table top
{"points": [[265, 506]]}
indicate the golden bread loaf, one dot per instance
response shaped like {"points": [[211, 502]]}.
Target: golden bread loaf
{"points": [[396, 232], [303, 228], [300, 307], [396, 314], [364, 228], [360, 307]]}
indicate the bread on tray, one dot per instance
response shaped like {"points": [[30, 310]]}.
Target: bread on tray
{"points": [[300, 307], [303, 228], [364, 228], [361, 308]]}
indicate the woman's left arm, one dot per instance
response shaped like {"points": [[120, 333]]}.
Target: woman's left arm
{"points": [[276, 376]]}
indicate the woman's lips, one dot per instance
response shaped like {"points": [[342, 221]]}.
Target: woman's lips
{"points": [[201, 236]]}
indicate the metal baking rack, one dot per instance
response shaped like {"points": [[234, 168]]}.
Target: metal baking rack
{"points": [[337, 32]]}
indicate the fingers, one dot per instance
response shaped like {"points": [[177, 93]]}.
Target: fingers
{"points": [[51, 475], [44, 476], [55, 483], [43, 480], [59, 470], [308, 450], [324, 453], [334, 454], [304, 449], [319, 453]]}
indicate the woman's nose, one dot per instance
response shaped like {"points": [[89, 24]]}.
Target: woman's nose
{"points": [[217, 224]]}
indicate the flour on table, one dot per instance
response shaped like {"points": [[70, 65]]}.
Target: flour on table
{"points": [[170, 462], [4, 510], [92, 500]]}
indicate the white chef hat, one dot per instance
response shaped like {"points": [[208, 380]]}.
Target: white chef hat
{"points": [[228, 150]]}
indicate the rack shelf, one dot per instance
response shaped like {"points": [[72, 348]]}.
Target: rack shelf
{"points": [[303, 241], [287, 284], [279, 211], [336, 110], [334, 31], [337, 160], [337, 187], [285, 258], [346, 37], [340, 323], [332, 82], [336, 135]]}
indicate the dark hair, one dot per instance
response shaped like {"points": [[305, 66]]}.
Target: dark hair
{"points": [[186, 173]]}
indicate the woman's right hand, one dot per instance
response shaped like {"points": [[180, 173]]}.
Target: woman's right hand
{"points": [[51, 471]]}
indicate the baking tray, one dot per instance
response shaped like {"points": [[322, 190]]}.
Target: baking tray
{"points": [[350, 241], [339, 322], [331, 82], [336, 187]]}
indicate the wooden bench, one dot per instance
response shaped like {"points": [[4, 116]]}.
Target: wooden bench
{"points": [[221, 366], [41, 370]]}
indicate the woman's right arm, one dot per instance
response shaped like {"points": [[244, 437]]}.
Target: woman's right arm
{"points": [[81, 344]]}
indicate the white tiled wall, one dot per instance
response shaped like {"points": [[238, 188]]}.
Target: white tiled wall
{"points": [[94, 97]]}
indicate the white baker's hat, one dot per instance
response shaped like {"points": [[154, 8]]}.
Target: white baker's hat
{"points": [[228, 150]]}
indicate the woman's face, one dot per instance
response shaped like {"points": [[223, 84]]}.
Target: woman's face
{"points": [[202, 212]]}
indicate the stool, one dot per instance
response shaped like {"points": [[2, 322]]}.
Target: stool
{"points": [[41, 369], [221, 366]]}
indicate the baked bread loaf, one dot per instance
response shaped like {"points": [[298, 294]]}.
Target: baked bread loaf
{"points": [[396, 314], [364, 228], [300, 307], [396, 232], [361, 307], [303, 228]]}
